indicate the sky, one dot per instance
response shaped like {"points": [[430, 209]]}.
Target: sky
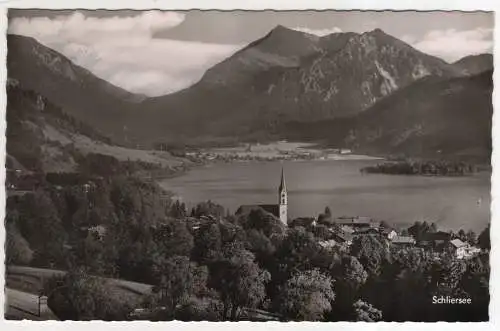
{"points": [[160, 52]]}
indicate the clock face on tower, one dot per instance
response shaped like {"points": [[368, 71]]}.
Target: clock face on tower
{"points": [[282, 212]]}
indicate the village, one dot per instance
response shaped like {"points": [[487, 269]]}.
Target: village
{"points": [[341, 232]]}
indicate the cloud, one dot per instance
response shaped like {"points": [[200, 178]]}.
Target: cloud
{"points": [[452, 44], [319, 32], [122, 50]]}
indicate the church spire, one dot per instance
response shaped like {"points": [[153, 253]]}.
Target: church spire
{"points": [[282, 184], [283, 200]]}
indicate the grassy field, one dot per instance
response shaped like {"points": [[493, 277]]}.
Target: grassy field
{"points": [[55, 156], [30, 280]]}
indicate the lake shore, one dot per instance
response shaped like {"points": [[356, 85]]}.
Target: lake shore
{"points": [[453, 203]]}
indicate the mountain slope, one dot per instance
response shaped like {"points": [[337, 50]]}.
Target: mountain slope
{"points": [[271, 82], [432, 117], [80, 93], [475, 64], [41, 137], [281, 47]]}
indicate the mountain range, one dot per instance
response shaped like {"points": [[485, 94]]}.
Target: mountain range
{"points": [[370, 91]]}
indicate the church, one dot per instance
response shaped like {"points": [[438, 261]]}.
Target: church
{"points": [[279, 210]]}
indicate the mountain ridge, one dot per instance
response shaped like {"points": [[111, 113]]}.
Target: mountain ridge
{"points": [[256, 94]]}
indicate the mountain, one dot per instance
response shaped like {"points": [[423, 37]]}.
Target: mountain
{"points": [[41, 137], [475, 64], [371, 91], [281, 47], [273, 80], [432, 117], [76, 90]]}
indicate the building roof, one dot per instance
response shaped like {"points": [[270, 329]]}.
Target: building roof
{"points": [[328, 243], [343, 236], [347, 229], [403, 240], [353, 220], [458, 243]]}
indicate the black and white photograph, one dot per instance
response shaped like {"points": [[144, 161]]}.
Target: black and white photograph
{"points": [[209, 165]]}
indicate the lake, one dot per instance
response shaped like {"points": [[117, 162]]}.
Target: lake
{"points": [[451, 202]]}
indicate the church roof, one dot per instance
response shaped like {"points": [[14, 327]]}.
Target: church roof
{"points": [[282, 183]]}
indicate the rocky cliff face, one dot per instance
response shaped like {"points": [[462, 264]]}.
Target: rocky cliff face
{"points": [[347, 80]]}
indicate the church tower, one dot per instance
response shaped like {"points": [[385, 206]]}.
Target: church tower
{"points": [[283, 200]]}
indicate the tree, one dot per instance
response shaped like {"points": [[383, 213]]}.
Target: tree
{"points": [[384, 224], [78, 296], [462, 235], [174, 238], [475, 284], [17, 249], [208, 208], [298, 250], [260, 220], [40, 225], [207, 243], [306, 296], [366, 312], [471, 237], [371, 251], [328, 212], [349, 275], [177, 280], [238, 279], [262, 247], [419, 229], [90, 252], [199, 309], [325, 219], [178, 210], [484, 239]]}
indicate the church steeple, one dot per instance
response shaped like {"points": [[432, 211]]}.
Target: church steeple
{"points": [[283, 183], [283, 199]]}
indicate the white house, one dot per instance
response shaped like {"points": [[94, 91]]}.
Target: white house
{"points": [[463, 250]]}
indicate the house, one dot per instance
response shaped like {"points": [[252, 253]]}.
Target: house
{"points": [[438, 241], [458, 248], [403, 241], [328, 243], [342, 237], [462, 250], [98, 230], [388, 233]]}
